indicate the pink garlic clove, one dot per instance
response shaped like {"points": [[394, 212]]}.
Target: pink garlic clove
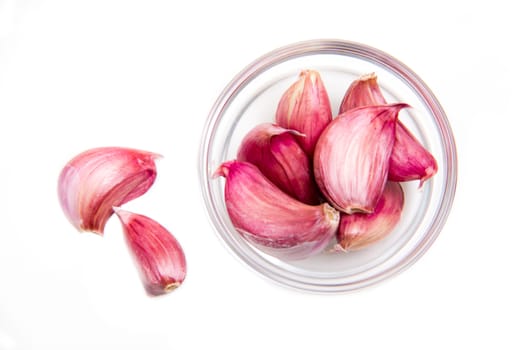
{"points": [[409, 159], [158, 256], [363, 91], [277, 154], [352, 157], [305, 107], [96, 180], [270, 219], [359, 230]]}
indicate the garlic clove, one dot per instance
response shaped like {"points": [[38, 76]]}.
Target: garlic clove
{"points": [[278, 155], [270, 219], [359, 230], [352, 157], [305, 107], [94, 181], [363, 91], [158, 255], [410, 160]]}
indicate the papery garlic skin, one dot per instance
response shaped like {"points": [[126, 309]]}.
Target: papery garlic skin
{"points": [[364, 91], [410, 160], [278, 155], [352, 156], [158, 255], [305, 107], [275, 222], [359, 230], [94, 181]]}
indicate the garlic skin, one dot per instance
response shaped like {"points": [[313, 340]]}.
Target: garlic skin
{"points": [[276, 223], [359, 230], [94, 181], [409, 159], [158, 256], [305, 107], [364, 91], [278, 155], [352, 156]]}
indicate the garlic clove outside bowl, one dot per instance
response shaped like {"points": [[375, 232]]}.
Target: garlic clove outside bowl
{"points": [[251, 98]]}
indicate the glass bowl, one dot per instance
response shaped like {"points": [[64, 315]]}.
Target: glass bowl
{"points": [[252, 97]]}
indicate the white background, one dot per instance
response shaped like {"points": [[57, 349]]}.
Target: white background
{"points": [[144, 74]]}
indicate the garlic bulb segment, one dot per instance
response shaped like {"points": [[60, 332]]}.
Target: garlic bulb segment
{"points": [[305, 107], [352, 157], [158, 256], [359, 230], [410, 160], [272, 220], [363, 91], [94, 181], [278, 155]]}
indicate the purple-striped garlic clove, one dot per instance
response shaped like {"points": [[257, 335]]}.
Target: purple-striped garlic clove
{"points": [[95, 181], [352, 157], [158, 256], [272, 220], [278, 155], [359, 230], [410, 160], [305, 107], [364, 91]]}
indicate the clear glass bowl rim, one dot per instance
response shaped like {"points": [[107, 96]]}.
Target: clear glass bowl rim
{"points": [[346, 48]]}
